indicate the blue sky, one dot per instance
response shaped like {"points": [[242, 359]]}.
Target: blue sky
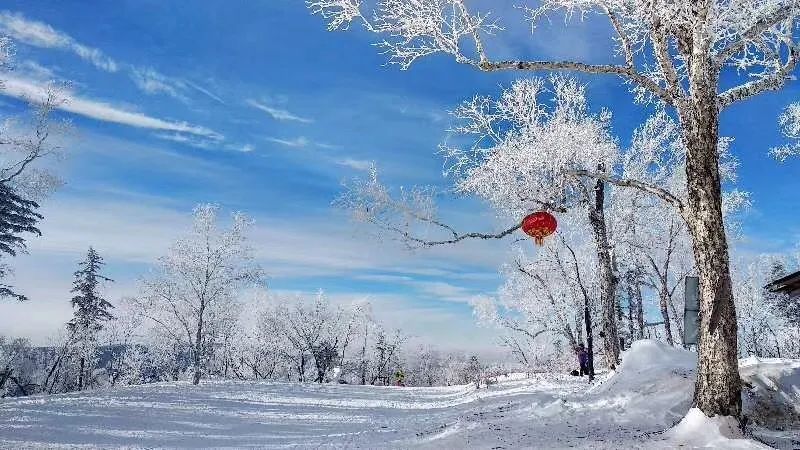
{"points": [[256, 107]]}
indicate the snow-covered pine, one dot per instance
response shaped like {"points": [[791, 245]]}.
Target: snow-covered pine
{"points": [[90, 312], [18, 216], [669, 52]]}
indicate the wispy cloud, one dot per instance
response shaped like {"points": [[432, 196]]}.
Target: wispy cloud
{"points": [[39, 34], [298, 142], [278, 113], [244, 148], [152, 82], [357, 164], [24, 89], [34, 70], [190, 140], [444, 291], [205, 91], [148, 80]]}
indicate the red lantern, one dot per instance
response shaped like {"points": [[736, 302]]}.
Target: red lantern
{"points": [[539, 225]]}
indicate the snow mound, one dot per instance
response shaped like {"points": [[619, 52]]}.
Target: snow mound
{"points": [[654, 379], [771, 398], [696, 430]]}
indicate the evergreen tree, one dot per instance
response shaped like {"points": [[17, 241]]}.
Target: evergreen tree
{"points": [[17, 216], [91, 310]]}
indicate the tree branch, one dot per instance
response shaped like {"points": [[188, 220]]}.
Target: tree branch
{"points": [[626, 44], [645, 187], [661, 51], [769, 83], [761, 25], [572, 66], [456, 237]]}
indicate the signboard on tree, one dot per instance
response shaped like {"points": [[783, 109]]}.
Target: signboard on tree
{"points": [[691, 310]]}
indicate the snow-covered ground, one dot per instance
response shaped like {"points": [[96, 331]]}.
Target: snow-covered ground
{"points": [[630, 409]]}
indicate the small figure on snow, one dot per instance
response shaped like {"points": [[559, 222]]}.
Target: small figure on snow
{"points": [[583, 359], [400, 378]]}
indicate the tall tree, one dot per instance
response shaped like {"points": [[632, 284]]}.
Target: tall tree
{"points": [[695, 57], [194, 293], [91, 310]]}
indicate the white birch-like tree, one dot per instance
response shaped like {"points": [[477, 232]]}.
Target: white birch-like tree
{"points": [[193, 294], [694, 57], [312, 332]]}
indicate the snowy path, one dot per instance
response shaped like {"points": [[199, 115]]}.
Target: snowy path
{"points": [[231, 414], [630, 410], [548, 411]]}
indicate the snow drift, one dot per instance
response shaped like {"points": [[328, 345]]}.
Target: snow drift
{"points": [[658, 380]]}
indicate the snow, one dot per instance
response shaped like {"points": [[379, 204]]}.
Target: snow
{"points": [[698, 431], [772, 399], [631, 408]]}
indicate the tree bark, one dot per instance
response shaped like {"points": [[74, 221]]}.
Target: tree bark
{"points": [[198, 349], [663, 298], [718, 386], [80, 375], [639, 311], [587, 319], [608, 280]]}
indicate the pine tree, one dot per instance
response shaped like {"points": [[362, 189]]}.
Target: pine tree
{"points": [[17, 216], [91, 310]]}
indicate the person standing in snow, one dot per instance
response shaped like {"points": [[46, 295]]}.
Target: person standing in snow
{"points": [[583, 360]]}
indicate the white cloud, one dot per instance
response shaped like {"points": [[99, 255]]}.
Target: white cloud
{"points": [[277, 113], [189, 140], [39, 34], [34, 70], [298, 142], [205, 91], [357, 164], [244, 148], [444, 291], [152, 82], [24, 89]]}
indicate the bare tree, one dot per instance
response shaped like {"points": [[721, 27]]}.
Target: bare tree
{"points": [[313, 332], [196, 287]]}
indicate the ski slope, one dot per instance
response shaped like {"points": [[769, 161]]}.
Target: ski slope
{"points": [[630, 409]]}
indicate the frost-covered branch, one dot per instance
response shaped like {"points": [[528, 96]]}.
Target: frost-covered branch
{"points": [[772, 82], [572, 66], [407, 216], [645, 187], [790, 127]]}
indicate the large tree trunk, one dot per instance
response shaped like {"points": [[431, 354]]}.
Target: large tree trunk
{"points": [[718, 387], [608, 280]]}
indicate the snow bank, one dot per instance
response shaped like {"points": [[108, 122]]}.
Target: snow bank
{"points": [[658, 379], [654, 380], [772, 395], [771, 399], [696, 430]]}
